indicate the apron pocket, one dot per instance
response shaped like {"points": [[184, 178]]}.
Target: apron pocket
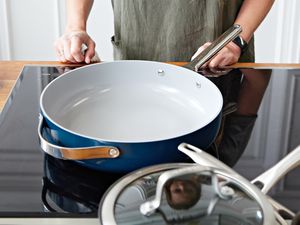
{"points": [[118, 54]]}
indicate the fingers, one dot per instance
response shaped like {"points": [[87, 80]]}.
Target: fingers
{"points": [[220, 60], [67, 50], [90, 52], [59, 49], [227, 56], [69, 47], [75, 49]]}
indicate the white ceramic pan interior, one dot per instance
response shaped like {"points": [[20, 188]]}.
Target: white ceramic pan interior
{"points": [[131, 101]]}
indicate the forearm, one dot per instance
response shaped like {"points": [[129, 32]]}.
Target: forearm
{"points": [[251, 14], [77, 14]]}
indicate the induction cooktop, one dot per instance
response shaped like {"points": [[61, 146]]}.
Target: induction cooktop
{"points": [[34, 184]]}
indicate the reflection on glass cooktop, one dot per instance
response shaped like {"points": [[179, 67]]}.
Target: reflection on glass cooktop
{"points": [[38, 185]]}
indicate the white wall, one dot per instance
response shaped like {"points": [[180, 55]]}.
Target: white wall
{"points": [[29, 28], [278, 37]]}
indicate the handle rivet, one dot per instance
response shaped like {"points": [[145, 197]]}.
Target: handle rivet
{"points": [[198, 84], [227, 191], [113, 152], [160, 72]]}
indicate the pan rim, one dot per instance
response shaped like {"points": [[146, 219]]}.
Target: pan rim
{"points": [[213, 117]]}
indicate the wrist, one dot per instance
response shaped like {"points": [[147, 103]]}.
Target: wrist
{"points": [[76, 27], [74, 30], [241, 43]]}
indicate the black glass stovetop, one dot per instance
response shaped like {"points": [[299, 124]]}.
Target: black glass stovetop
{"points": [[33, 184]]}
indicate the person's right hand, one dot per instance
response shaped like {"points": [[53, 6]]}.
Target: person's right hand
{"points": [[228, 55], [69, 47]]}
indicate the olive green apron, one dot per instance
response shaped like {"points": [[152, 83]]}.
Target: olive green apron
{"points": [[170, 30]]}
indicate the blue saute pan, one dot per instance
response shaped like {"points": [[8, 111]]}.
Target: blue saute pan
{"points": [[123, 115]]}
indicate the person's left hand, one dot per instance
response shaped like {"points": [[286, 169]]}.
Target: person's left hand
{"points": [[229, 55]]}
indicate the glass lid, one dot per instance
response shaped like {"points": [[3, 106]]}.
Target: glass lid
{"points": [[181, 194]]}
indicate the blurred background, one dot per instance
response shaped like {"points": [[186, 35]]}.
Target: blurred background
{"points": [[29, 28]]}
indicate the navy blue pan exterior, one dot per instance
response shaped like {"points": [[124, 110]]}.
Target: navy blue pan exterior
{"points": [[137, 155]]}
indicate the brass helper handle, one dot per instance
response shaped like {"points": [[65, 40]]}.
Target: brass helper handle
{"points": [[93, 152]]}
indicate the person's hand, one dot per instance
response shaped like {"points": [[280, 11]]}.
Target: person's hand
{"points": [[69, 47], [229, 55]]}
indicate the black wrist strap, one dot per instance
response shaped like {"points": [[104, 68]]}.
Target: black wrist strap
{"points": [[243, 45]]}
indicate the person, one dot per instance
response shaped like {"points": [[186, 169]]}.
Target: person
{"points": [[165, 30]]}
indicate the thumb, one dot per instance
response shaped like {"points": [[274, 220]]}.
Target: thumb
{"points": [[200, 50]]}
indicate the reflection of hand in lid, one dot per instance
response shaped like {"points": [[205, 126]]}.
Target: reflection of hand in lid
{"points": [[64, 69], [237, 127], [183, 193], [214, 72]]}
